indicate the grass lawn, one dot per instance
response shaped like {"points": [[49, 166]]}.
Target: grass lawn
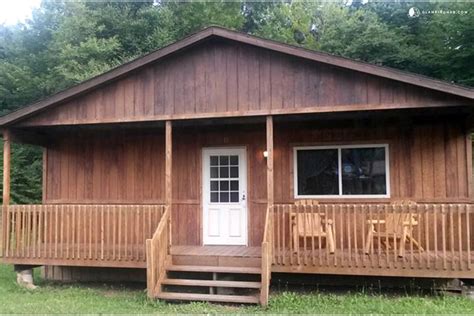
{"points": [[102, 298]]}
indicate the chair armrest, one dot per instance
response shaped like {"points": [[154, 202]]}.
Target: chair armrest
{"points": [[327, 221], [375, 221]]}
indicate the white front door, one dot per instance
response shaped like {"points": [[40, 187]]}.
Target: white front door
{"points": [[224, 196]]}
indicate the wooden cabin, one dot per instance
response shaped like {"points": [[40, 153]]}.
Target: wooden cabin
{"points": [[224, 157]]}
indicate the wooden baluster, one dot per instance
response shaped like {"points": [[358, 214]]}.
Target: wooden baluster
{"points": [[115, 217], [34, 231], [451, 234], [126, 232], [76, 226], [40, 210], [427, 236], [304, 210], [435, 231], [38, 231], [443, 235], [119, 236], [56, 231], [27, 229], [23, 230], [387, 241], [410, 216], [298, 257], [51, 230], [419, 209], [290, 229], [277, 234], [348, 233], [335, 231], [137, 233], [91, 231], [313, 254], [63, 242], [356, 245], [283, 234], [102, 232], [144, 235], [109, 246], [379, 237], [458, 210], [322, 209], [18, 230], [28, 232], [364, 224], [371, 250], [342, 233], [468, 235], [66, 242], [83, 245], [397, 214], [8, 225]]}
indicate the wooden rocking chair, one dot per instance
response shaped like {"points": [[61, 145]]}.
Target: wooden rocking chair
{"points": [[311, 225], [396, 228]]}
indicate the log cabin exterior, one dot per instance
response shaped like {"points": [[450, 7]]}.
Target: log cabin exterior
{"points": [[227, 154]]}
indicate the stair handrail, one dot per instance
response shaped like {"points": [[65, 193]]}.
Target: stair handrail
{"points": [[267, 255], [157, 254]]}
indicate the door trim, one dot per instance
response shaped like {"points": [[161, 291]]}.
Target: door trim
{"points": [[204, 194]]}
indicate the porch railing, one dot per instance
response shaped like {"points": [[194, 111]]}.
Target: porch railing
{"points": [[387, 239], [158, 254], [79, 234]]}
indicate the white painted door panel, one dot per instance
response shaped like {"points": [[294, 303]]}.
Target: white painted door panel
{"points": [[224, 196]]}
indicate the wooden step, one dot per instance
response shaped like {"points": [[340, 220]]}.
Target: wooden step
{"points": [[246, 299], [238, 270], [212, 283]]}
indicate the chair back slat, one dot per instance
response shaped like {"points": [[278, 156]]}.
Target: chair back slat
{"points": [[309, 224]]}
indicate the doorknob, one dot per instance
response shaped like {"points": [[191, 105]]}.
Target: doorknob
{"points": [[243, 197]]}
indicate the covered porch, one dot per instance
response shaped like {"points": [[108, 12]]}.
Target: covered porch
{"points": [[423, 228]]}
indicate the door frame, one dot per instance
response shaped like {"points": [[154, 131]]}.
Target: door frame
{"points": [[204, 194]]}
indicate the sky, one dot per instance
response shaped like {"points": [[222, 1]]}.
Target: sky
{"points": [[13, 11]]}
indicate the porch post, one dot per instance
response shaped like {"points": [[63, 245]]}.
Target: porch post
{"points": [[6, 186], [168, 166], [270, 191]]}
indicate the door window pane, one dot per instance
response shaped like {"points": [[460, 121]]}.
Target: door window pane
{"points": [[234, 196], [224, 185], [224, 160], [224, 172], [214, 197], [224, 197], [234, 160], [234, 185], [317, 172], [363, 171], [214, 172], [214, 160], [234, 172]]}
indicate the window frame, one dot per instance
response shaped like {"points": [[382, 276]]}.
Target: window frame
{"points": [[339, 162]]}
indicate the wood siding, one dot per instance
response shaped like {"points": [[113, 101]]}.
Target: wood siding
{"points": [[428, 162], [223, 78]]}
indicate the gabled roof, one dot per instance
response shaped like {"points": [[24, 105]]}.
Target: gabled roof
{"points": [[118, 72]]}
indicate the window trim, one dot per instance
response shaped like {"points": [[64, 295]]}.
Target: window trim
{"points": [[339, 158]]}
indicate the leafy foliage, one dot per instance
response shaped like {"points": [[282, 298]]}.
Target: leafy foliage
{"points": [[66, 42]]}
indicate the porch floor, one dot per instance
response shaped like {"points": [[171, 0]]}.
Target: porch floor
{"points": [[221, 251]]}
